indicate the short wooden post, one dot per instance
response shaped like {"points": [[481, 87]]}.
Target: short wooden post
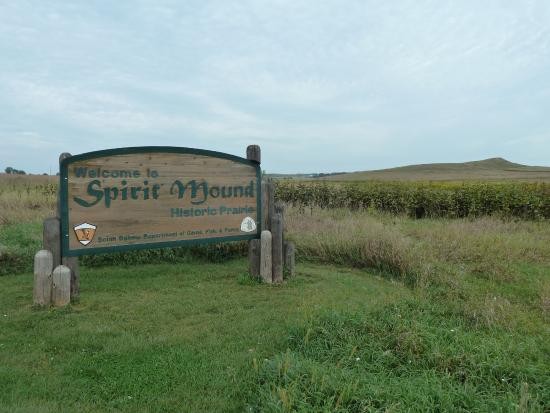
{"points": [[254, 153], [254, 252], [290, 258], [266, 269], [43, 266], [277, 247], [61, 286], [51, 239], [72, 264]]}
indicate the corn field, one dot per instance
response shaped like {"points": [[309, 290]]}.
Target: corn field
{"points": [[419, 200]]}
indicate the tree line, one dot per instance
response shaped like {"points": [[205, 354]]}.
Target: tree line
{"points": [[9, 170]]}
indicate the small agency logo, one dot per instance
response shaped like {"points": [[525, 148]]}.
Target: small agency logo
{"points": [[85, 233], [248, 225]]}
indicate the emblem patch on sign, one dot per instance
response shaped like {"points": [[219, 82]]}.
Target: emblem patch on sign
{"points": [[85, 233], [248, 225]]}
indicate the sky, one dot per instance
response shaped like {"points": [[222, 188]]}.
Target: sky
{"points": [[321, 86]]}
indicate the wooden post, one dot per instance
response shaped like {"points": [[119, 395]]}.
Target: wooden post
{"points": [[51, 239], [290, 258], [254, 153], [277, 247], [43, 266], [279, 208], [254, 252], [265, 207], [63, 156], [61, 286], [271, 202], [70, 262], [266, 269]]}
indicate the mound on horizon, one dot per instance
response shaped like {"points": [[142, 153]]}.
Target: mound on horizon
{"points": [[487, 169]]}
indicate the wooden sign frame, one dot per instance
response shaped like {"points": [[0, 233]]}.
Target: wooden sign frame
{"points": [[67, 251]]}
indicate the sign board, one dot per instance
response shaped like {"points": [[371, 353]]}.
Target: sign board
{"points": [[151, 197]]}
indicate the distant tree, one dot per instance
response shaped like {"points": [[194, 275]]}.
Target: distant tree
{"points": [[10, 170]]}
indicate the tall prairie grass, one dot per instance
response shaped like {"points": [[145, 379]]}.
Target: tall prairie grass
{"points": [[26, 198], [488, 267], [487, 246], [339, 236]]}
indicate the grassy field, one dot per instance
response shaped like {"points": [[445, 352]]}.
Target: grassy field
{"points": [[386, 313]]}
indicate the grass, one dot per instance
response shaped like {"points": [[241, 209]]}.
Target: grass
{"points": [[407, 357], [201, 337], [162, 337], [386, 313]]}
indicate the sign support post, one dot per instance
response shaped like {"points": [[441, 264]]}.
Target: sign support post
{"points": [[70, 262], [254, 153]]}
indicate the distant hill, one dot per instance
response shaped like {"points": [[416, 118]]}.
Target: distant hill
{"points": [[487, 169]]}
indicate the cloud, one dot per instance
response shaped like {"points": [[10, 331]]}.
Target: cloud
{"points": [[27, 141]]}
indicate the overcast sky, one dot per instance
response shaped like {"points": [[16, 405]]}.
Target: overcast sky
{"points": [[320, 85]]}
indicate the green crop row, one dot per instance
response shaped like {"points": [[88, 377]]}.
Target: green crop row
{"points": [[452, 200]]}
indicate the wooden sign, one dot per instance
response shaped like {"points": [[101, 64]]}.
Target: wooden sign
{"points": [[150, 197]]}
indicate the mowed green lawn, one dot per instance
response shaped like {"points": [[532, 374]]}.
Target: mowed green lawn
{"points": [[174, 337]]}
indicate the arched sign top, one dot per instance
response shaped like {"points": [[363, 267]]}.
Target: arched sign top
{"points": [[156, 196], [155, 149]]}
